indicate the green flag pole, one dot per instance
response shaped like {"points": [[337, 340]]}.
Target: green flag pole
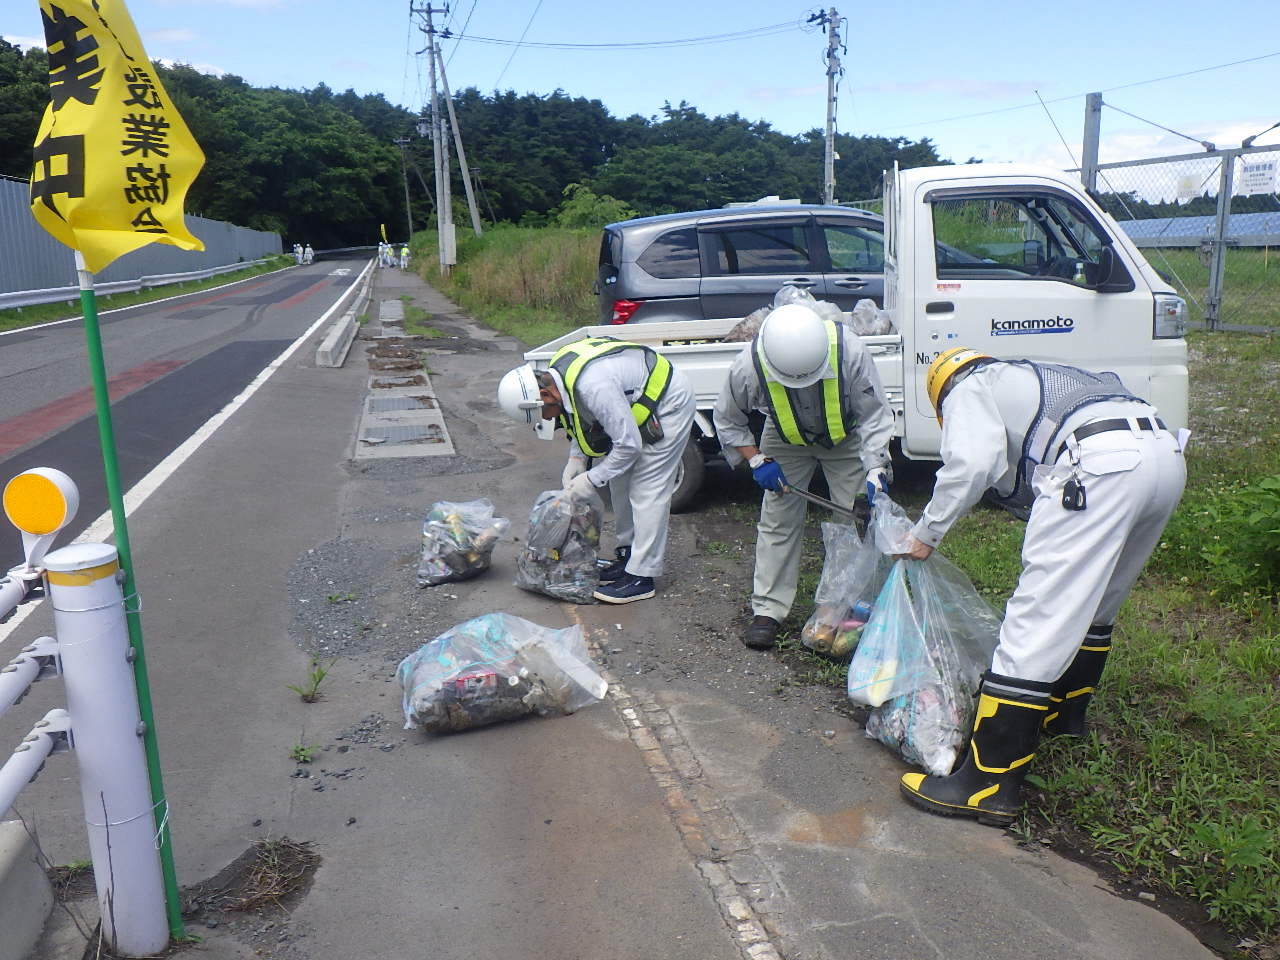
{"points": [[133, 617]]}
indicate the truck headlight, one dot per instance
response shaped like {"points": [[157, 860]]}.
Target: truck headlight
{"points": [[1170, 317]]}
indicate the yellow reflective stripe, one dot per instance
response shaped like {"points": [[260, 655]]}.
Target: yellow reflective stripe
{"points": [[784, 417], [976, 798], [831, 388], [1078, 693], [977, 762], [82, 578], [1106, 649], [581, 353]]}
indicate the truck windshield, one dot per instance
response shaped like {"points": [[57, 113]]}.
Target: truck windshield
{"points": [[1014, 237]]}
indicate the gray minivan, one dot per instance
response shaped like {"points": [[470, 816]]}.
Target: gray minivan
{"points": [[725, 263]]}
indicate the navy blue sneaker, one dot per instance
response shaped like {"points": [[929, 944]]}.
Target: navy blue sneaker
{"points": [[626, 590], [611, 570]]}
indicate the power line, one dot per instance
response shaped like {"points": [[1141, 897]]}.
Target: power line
{"points": [[516, 48], [463, 32], [754, 33], [1204, 143], [1075, 96]]}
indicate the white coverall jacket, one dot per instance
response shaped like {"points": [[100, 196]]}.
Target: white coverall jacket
{"points": [[1077, 565], [641, 477], [779, 533]]}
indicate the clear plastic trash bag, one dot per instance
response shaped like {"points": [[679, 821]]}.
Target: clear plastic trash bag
{"points": [[890, 526], [458, 541], [868, 320], [921, 656], [559, 558], [852, 572], [496, 667]]}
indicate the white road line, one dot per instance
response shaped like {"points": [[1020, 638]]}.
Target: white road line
{"points": [[101, 529]]}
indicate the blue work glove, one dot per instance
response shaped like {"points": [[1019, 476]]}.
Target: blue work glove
{"points": [[877, 482], [769, 476]]}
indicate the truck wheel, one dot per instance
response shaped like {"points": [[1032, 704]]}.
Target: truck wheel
{"points": [[689, 473]]}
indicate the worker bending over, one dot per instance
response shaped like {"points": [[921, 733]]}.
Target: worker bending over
{"points": [[1100, 476], [627, 409], [824, 407]]}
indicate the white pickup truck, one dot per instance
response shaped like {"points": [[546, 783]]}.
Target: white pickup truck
{"points": [[1013, 260]]}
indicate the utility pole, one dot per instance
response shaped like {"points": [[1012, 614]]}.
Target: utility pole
{"points": [[444, 208], [403, 144], [831, 21], [1089, 145], [457, 140]]}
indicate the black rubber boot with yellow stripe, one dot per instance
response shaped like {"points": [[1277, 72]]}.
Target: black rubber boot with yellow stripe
{"points": [[1070, 696], [1005, 733]]}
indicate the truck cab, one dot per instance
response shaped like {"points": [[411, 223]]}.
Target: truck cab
{"points": [[1044, 274]]}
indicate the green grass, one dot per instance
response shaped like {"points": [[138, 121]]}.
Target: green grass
{"points": [[533, 284], [1250, 286], [17, 317]]}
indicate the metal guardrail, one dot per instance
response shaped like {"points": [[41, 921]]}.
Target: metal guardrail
{"points": [[31, 298]]}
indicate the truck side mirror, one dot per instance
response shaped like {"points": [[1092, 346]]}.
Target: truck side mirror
{"points": [[1113, 275], [1032, 253]]}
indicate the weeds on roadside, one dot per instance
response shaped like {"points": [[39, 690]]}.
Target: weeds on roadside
{"points": [[316, 674], [302, 752]]}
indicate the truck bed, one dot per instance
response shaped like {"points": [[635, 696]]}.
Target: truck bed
{"points": [[696, 349]]}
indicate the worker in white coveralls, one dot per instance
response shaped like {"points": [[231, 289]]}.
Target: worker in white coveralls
{"points": [[824, 407], [1101, 476], [308, 254], [627, 409], [404, 257]]}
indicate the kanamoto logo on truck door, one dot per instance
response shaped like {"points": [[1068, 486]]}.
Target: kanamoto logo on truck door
{"points": [[1006, 328]]}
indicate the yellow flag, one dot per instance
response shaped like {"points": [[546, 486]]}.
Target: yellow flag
{"points": [[384, 232], [113, 159]]}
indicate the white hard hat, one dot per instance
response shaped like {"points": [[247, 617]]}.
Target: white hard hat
{"points": [[793, 340], [518, 398]]}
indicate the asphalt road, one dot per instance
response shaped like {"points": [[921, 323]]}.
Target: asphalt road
{"points": [[171, 365], [715, 806]]}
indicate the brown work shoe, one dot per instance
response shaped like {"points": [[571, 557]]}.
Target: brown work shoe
{"points": [[761, 633]]}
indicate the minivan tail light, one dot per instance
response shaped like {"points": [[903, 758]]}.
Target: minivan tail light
{"points": [[1171, 317], [623, 310]]}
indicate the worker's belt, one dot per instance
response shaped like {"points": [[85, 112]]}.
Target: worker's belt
{"points": [[1105, 426]]}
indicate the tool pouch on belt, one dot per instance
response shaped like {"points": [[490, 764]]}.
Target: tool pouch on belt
{"points": [[651, 429]]}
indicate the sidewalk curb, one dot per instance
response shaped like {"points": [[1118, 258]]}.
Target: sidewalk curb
{"points": [[26, 898], [332, 351]]}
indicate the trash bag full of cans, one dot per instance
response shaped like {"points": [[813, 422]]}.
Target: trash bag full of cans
{"points": [[493, 668], [852, 573], [458, 541], [559, 558]]}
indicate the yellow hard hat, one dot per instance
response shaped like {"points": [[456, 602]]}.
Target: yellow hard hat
{"points": [[945, 366]]}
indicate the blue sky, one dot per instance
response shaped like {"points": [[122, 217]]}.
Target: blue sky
{"points": [[964, 75]]}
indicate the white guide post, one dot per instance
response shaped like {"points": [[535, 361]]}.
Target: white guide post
{"points": [[88, 604]]}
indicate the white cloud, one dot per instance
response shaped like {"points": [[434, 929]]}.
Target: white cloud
{"points": [[25, 41], [208, 68]]}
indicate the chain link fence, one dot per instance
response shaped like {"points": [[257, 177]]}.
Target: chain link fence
{"points": [[1207, 222]]}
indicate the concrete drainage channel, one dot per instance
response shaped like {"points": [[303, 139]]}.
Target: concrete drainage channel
{"points": [[402, 416]]}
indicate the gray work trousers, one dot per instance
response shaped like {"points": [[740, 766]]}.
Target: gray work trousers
{"points": [[780, 532], [641, 497]]}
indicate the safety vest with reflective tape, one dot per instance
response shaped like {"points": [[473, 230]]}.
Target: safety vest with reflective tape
{"points": [[782, 407], [569, 361]]}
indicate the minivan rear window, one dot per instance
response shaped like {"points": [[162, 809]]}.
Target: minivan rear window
{"points": [[672, 256], [610, 249]]}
